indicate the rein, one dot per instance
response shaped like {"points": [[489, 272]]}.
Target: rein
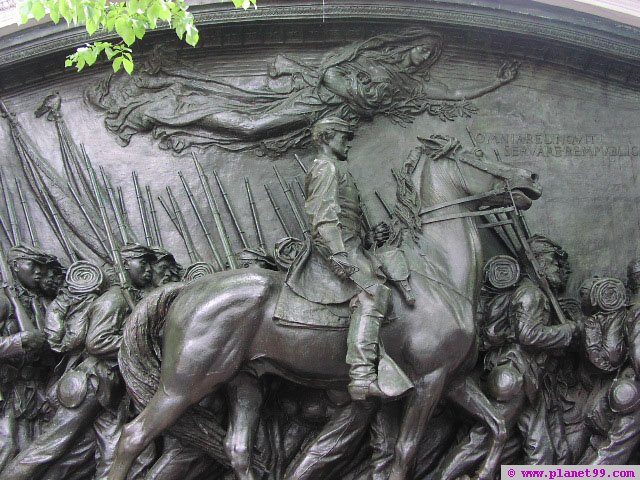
{"points": [[470, 198]]}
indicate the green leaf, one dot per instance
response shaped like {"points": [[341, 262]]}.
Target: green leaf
{"points": [[117, 64], [123, 28], [38, 11], [128, 65], [54, 12], [109, 52], [192, 35], [68, 62]]}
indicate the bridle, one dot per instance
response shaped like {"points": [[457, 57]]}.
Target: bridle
{"points": [[470, 198]]}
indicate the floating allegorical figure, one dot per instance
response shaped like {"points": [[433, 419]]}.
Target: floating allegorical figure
{"points": [[384, 75]]}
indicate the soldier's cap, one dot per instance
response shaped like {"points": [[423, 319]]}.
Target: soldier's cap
{"points": [[26, 252], [335, 124], [541, 244], [135, 250], [162, 254], [633, 267]]}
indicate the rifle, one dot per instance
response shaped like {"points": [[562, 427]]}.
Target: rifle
{"points": [[92, 224], [172, 216], [154, 217], [277, 210], [143, 210], [254, 213], [207, 235], [123, 210], [188, 241], [304, 195], [22, 317], [114, 207], [27, 214], [13, 219], [240, 232], [215, 212], [125, 284], [292, 203]]}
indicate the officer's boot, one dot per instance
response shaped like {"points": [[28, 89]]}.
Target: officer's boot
{"points": [[363, 342]]}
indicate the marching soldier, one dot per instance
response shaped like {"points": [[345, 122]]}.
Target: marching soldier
{"points": [[91, 395], [165, 268]]}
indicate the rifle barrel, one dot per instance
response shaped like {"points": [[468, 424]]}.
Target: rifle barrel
{"points": [[13, 219], [27, 214], [292, 203], [188, 241], [207, 234], [115, 253], [143, 210], [276, 208], [304, 169], [154, 217], [215, 212], [225, 197], [92, 224], [114, 206], [254, 213], [172, 216]]}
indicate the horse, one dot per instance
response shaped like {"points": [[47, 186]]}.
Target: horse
{"points": [[219, 330]]}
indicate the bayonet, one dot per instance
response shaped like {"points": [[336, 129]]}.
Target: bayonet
{"points": [[143, 210], [58, 226], [304, 169], [302, 192], [276, 208], [188, 241], [13, 218], [292, 203], [154, 217], [123, 208], [92, 224], [254, 213], [172, 216], [231, 213], [27, 214], [215, 212], [114, 206], [207, 235]]}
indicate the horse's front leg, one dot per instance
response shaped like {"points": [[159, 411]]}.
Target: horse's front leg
{"points": [[418, 409], [245, 401]]}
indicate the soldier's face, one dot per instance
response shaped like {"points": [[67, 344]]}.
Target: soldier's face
{"points": [[162, 273], [50, 281], [140, 272], [339, 145], [28, 273], [552, 270]]}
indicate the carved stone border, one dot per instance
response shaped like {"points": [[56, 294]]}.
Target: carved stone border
{"points": [[542, 22]]}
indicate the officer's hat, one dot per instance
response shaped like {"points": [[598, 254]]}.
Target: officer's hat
{"points": [[542, 244], [332, 124]]}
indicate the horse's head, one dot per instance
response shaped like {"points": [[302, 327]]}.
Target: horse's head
{"points": [[473, 174]]}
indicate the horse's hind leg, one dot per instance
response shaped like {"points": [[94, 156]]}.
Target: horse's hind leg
{"points": [[163, 410], [418, 409], [245, 402]]}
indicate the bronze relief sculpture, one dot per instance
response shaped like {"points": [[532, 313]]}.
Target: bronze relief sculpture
{"points": [[352, 347]]}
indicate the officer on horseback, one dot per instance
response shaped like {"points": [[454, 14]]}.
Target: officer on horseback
{"points": [[333, 208]]}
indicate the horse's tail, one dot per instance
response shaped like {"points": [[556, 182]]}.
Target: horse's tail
{"points": [[139, 359]]}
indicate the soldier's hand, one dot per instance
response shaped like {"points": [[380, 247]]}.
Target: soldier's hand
{"points": [[341, 265], [32, 340], [381, 233]]}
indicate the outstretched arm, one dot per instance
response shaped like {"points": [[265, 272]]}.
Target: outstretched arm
{"points": [[438, 91]]}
